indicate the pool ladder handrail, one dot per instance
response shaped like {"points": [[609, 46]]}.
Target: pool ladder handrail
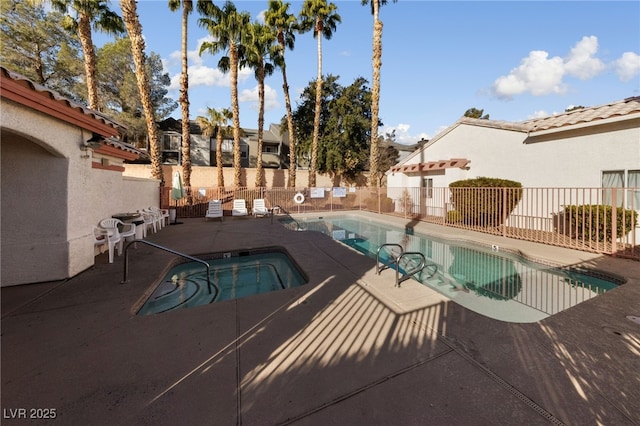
{"points": [[396, 261], [186, 256], [279, 207]]}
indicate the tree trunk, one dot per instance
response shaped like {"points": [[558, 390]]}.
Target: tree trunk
{"points": [[130, 17], [292, 137], [259, 171], [184, 103], [316, 118], [375, 94], [219, 164], [84, 33], [233, 56]]}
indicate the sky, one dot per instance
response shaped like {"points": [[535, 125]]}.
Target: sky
{"points": [[515, 60]]}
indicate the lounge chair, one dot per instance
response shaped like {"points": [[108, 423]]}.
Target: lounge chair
{"points": [[239, 208], [260, 207], [214, 210]]}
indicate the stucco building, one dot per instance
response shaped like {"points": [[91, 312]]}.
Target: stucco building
{"points": [[61, 172]]}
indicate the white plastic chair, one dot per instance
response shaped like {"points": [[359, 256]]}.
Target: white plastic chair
{"points": [[128, 230], [157, 217], [149, 222], [260, 207], [214, 210], [104, 236], [239, 208]]}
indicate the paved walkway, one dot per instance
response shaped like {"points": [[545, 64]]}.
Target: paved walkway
{"points": [[346, 349]]}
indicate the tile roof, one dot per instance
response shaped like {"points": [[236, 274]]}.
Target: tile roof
{"points": [[585, 115], [621, 108], [56, 97]]}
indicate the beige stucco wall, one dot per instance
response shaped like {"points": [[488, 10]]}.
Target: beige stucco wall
{"points": [[51, 197], [207, 177], [573, 159]]}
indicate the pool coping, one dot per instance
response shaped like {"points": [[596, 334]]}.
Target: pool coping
{"points": [[325, 348]]}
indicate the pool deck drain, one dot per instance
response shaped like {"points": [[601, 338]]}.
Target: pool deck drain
{"points": [[348, 348]]}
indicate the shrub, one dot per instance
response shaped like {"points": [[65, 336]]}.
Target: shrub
{"points": [[480, 201], [592, 222], [454, 216]]}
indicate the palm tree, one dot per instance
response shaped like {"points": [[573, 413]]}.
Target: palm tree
{"points": [[216, 122], [134, 28], [88, 13], [187, 7], [375, 90], [227, 27], [259, 49], [321, 17], [284, 24]]}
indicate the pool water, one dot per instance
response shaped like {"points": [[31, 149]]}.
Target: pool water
{"points": [[233, 275], [487, 280]]}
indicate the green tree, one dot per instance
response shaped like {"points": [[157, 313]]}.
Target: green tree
{"points": [[284, 25], [375, 92], [345, 125], [134, 29], [259, 49], [227, 26], [187, 7], [33, 45], [85, 15], [387, 156], [321, 18], [217, 122], [476, 113], [119, 91]]}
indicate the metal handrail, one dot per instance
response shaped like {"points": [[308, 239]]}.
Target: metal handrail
{"points": [[408, 274], [394, 259], [279, 207], [186, 256]]}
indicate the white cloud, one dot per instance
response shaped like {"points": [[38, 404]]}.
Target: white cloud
{"points": [[403, 136], [538, 114], [628, 66], [201, 74], [536, 74], [251, 95], [581, 61]]}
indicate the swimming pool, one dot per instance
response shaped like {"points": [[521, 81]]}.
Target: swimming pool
{"points": [[232, 275], [486, 280]]}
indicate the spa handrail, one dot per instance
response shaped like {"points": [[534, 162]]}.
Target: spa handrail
{"points": [[186, 256]]}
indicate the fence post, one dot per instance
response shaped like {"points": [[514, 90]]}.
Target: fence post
{"points": [[504, 212], [614, 222]]}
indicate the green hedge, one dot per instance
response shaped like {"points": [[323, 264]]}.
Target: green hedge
{"points": [[592, 222], [483, 206]]}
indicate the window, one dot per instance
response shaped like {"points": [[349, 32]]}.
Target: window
{"points": [[269, 149], [428, 184], [227, 145], [634, 191], [171, 142], [627, 193]]}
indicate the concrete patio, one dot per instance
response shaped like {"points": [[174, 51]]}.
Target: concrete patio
{"points": [[347, 348]]}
